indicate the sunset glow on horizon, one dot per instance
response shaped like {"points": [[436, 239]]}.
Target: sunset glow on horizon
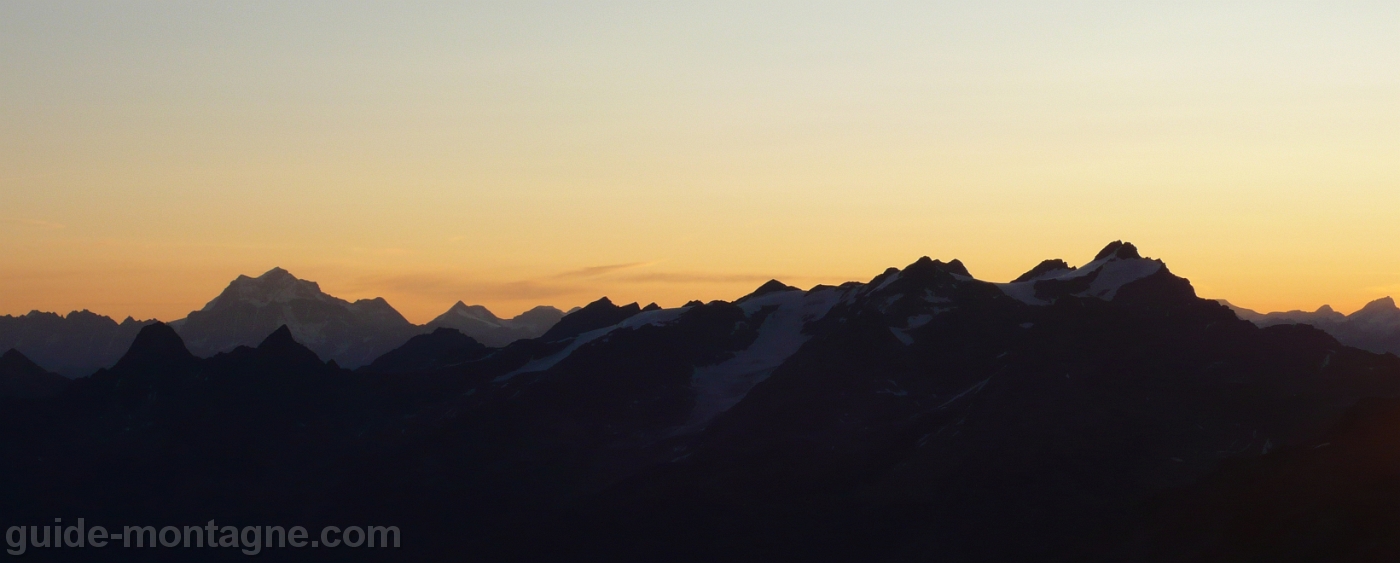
{"points": [[514, 154]]}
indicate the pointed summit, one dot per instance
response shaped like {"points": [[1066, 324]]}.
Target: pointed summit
{"points": [[276, 273], [156, 345], [770, 286], [15, 362], [281, 343], [595, 315], [279, 338]]}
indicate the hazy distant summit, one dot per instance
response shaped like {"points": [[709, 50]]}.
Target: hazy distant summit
{"points": [[485, 327], [249, 309], [1375, 327]]}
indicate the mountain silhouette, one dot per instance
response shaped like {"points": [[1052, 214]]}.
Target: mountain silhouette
{"points": [[23, 379], [920, 415], [598, 314], [443, 348]]}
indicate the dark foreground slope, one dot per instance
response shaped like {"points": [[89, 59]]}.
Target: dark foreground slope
{"points": [[74, 345], [924, 415]]}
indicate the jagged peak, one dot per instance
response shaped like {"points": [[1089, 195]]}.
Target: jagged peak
{"points": [[651, 307], [281, 342], [925, 265], [1043, 268], [598, 314], [1120, 250]]}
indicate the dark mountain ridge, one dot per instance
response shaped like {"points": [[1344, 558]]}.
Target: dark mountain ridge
{"points": [[923, 415], [74, 345]]}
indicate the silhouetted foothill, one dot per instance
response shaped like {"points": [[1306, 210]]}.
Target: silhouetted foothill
{"points": [[157, 345], [282, 345], [595, 315], [24, 379], [445, 347]]}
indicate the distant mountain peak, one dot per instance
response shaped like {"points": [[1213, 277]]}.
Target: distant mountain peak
{"points": [[925, 265], [1043, 268], [1120, 250], [1382, 304], [274, 286], [485, 327], [770, 286]]}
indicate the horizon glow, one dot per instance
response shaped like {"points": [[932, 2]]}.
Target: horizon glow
{"points": [[543, 153]]}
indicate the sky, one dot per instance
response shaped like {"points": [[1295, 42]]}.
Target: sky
{"points": [[521, 153]]}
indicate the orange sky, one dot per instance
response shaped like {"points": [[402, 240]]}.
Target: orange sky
{"points": [[515, 154]]}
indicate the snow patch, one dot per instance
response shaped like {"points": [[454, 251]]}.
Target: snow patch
{"points": [[902, 336], [721, 386], [661, 316], [1113, 274]]}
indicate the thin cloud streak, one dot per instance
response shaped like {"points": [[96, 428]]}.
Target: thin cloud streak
{"points": [[596, 271], [37, 223]]}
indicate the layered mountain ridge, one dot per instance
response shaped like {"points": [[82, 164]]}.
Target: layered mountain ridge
{"points": [[1374, 327], [922, 415], [249, 308]]}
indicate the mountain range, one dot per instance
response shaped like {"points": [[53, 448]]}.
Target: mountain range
{"points": [[1098, 413], [249, 309], [1375, 327]]}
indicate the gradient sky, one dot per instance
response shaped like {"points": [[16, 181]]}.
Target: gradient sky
{"points": [[522, 153]]}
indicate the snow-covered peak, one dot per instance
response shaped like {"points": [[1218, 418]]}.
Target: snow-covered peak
{"points": [[274, 286], [1117, 265]]}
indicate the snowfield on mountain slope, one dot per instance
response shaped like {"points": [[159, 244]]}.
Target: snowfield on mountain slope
{"points": [[657, 317], [720, 386], [1113, 274]]}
